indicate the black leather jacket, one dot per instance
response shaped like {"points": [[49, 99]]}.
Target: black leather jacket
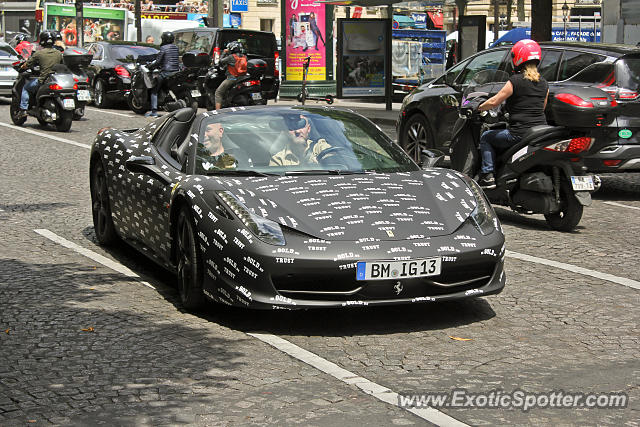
{"points": [[167, 59]]}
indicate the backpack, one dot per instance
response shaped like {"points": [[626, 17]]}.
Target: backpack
{"points": [[240, 68]]}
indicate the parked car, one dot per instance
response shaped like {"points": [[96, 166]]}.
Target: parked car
{"points": [[255, 226], [110, 69], [7, 74], [258, 44], [428, 114]]}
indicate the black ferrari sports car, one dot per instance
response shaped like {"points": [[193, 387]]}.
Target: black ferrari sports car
{"points": [[293, 207]]}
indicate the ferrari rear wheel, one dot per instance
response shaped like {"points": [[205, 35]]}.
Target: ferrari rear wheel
{"points": [[100, 207], [189, 262]]}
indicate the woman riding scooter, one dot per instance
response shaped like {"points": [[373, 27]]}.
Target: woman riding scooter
{"points": [[526, 95]]}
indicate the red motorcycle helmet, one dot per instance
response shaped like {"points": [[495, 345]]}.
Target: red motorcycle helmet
{"points": [[524, 51]]}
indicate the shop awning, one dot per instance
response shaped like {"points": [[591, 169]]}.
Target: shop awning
{"points": [[401, 21], [436, 19], [363, 3]]}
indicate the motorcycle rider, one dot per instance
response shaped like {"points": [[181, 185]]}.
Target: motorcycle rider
{"points": [[23, 47], [526, 94], [47, 58], [235, 60], [168, 63]]}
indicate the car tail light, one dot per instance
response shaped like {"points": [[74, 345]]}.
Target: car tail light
{"points": [[55, 86], [611, 162], [571, 99], [121, 71], [102, 130], [627, 94], [276, 68], [216, 55], [573, 145], [75, 86], [251, 83]]}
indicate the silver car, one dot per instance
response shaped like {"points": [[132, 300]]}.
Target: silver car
{"points": [[7, 74]]}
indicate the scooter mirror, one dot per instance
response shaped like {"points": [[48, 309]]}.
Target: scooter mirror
{"points": [[431, 158]]}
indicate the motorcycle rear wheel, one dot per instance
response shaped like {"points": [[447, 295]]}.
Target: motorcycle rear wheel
{"points": [[570, 213], [64, 120], [134, 105], [13, 110]]}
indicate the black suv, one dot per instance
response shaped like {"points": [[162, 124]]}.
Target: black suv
{"points": [[428, 113], [259, 45]]}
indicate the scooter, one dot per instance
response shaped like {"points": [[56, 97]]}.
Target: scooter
{"points": [[179, 90], [247, 90], [53, 103], [78, 60], [543, 173], [304, 93]]}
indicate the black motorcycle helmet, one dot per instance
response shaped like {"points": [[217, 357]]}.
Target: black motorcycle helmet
{"points": [[47, 38], [235, 47], [20, 37], [167, 38]]}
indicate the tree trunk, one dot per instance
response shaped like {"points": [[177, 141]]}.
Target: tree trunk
{"points": [[496, 19], [521, 16], [541, 11]]}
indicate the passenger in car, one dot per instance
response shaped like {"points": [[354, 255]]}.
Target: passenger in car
{"points": [[211, 152], [299, 148]]}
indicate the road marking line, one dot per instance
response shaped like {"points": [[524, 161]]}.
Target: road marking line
{"points": [[379, 392], [621, 205], [92, 255], [575, 269], [45, 135], [111, 112]]}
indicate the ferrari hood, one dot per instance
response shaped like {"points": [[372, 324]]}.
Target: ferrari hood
{"points": [[395, 206]]}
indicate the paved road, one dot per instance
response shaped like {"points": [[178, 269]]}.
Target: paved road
{"points": [[82, 343]]}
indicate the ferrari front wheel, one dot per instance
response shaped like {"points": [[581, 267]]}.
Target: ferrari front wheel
{"points": [[100, 207], [189, 263]]}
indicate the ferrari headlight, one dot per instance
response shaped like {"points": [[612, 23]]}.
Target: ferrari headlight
{"points": [[266, 230], [483, 216]]}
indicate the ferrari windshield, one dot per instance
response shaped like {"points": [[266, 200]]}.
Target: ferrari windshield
{"points": [[297, 140]]}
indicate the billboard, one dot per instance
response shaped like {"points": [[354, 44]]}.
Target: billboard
{"points": [[305, 36]]}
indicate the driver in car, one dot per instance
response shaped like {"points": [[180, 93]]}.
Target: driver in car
{"points": [[299, 149]]}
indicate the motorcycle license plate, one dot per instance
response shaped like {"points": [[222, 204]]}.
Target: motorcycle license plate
{"points": [[385, 270], [195, 93], [582, 183], [256, 95], [84, 95], [68, 104]]}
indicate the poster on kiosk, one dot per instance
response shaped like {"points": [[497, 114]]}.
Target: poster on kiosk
{"points": [[305, 36], [364, 53]]}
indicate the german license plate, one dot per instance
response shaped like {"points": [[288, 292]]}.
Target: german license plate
{"points": [[195, 93], [385, 270], [256, 95], [582, 183], [84, 95], [68, 103]]}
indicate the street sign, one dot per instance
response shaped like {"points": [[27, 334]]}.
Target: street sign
{"points": [[239, 5]]}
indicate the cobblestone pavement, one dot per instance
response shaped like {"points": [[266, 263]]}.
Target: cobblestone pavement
{"points": [[81, 344]]}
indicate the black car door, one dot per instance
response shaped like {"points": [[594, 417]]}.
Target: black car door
{"points": [[448, 112]]}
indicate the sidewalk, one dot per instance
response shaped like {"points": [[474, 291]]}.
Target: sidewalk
{"points": [[374, 111]]}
